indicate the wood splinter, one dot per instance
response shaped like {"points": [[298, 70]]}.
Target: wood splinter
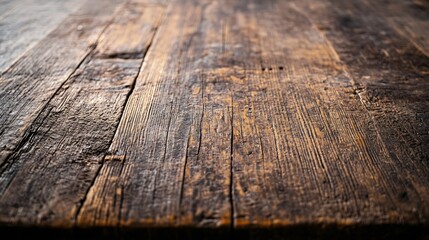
{"points": [[120, 158]]}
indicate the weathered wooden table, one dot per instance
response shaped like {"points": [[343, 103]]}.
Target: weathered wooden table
{"points": [[214, 118]]}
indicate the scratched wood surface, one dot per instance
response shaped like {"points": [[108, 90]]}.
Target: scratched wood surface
{"points": [[207, 119]]}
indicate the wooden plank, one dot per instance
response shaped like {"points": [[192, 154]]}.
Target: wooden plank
{"points": [[46, 180], [169, 162], [306, 151], [409, 18], [24, 23], [31, 81], [390, 75]]}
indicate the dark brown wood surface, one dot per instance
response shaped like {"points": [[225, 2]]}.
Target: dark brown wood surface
{"points": [[210, 119]]}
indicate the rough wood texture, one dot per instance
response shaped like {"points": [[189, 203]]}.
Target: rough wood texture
{"points": [[409, 18], [32, 81], [75, 128], [210, 119], [162, 133], [390, 76]]}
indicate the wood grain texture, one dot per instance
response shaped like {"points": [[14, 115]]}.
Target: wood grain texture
{"points": [[63, 148], [161, 135], [204, 119], [65, 145], [390, 74], [324, 164], [300, 154], [409, 18], [24, 23], [30, 82]]}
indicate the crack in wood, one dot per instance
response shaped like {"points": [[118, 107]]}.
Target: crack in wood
{"points": [[231, 168], [120, 158], [124, 55]]}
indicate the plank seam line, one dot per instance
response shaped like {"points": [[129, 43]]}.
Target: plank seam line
{"points": [[182, 186], [84, 199], [200, 137], [164, 155], [231, 172]]}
